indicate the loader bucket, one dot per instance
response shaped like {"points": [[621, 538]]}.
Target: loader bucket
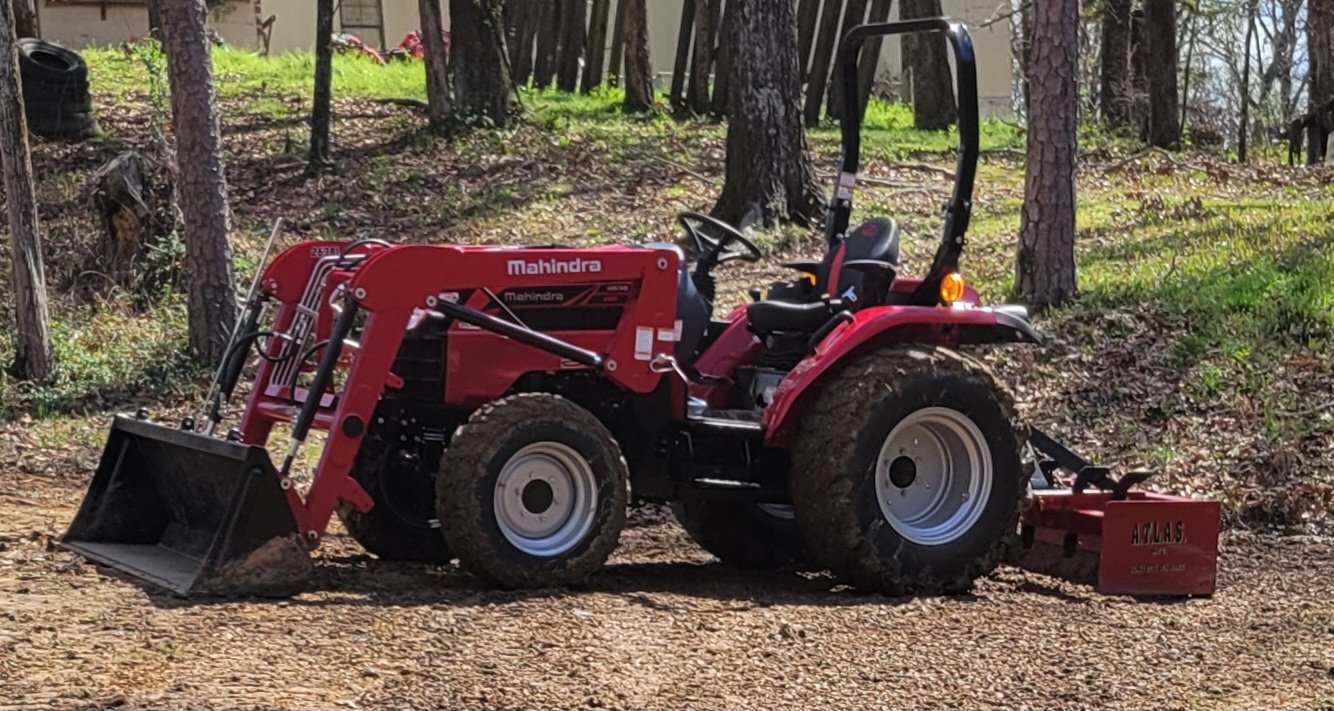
{"points": [[191, 513]]}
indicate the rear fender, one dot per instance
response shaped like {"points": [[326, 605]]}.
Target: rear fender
{"points": [[886, 325]]}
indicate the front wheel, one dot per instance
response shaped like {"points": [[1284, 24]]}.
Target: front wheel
{"points": [[907, 476], [532, 492]]}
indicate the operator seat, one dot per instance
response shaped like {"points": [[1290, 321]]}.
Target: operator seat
{"points": [[857, 272]]}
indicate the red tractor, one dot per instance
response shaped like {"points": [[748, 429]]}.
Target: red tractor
{"points": [[502, 406]]}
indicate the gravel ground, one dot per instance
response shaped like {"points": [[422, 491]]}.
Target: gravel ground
{"points": [[663, 626]]}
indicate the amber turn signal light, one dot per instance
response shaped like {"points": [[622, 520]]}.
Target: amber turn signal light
{"points": [[951, 288]]}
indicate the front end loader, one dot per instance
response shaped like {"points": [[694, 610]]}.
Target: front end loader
{"points": [[502, 405]]}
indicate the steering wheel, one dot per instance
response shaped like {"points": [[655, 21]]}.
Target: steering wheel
{"points": [[713, 252]]}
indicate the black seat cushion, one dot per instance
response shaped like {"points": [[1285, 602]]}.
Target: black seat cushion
{"points": [[795, 307], [877, 240], [787, 316]]}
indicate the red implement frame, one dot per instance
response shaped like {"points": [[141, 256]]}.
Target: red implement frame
{"points": [[1124, 541], [1145, 544]]}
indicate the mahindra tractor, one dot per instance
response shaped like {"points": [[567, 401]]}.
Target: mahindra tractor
{"points": [[503, 405]]}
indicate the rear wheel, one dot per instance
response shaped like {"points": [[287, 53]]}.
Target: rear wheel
{"points": [[400, 478], [907, 471], [743, 534], [532, 492]]}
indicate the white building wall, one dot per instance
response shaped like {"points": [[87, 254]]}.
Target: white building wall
{"points": [[82, 23]]}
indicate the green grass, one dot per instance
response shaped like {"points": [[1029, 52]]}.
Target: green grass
{"points": [[107, 356], [238, 73]]}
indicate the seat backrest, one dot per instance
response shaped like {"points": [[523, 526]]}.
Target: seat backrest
{"points": [[876, 239]]}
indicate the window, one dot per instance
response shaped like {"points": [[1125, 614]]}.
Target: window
{"points": [[365, 19]]}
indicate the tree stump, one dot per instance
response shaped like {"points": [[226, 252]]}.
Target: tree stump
{"points": [[130, 196]]}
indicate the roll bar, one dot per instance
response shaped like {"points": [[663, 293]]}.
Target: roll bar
{"points": [[959, 208]]}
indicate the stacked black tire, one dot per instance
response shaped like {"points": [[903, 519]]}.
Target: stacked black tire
{"points": [[55, 91]]}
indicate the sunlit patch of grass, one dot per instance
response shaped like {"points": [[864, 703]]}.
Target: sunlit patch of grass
{"points": [[106, 355]]}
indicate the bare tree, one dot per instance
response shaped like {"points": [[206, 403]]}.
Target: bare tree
{"points": [[210, 284], [1139, 72], [1045, 271], [321, 110], [437, 63], [638, 64], [1253, 8], [1160, 30], [769, 176], [33, 358], [477, 59], [1114, 82], [932, 90]]}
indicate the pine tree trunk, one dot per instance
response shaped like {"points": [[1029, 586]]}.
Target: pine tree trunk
{"points": [[1114, 84], [210, 287], [826, 40], [155, 19], [676, 94], [521, 52], [638, 64], [701, 62], [33, 358], [572, 48], [1024, 51], [437, 63], [321, 111], [932, 85], [1160, 29], [1320, 49], [477, 59], [769, 176], [854, 14], [25, 19], [1045, 270], [807, 13], [721, 65], [617, 59], [595, 47], [870, 64], [548, 39]]}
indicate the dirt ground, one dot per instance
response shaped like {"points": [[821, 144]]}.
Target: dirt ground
{"points": [[663, 626]]}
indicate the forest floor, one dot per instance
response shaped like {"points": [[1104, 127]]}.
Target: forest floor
{"points": [[1202, 344]]}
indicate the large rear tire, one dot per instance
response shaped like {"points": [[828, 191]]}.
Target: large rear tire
{"points": [[742, 534], [907, 475], [402, 526], [532, 492]]}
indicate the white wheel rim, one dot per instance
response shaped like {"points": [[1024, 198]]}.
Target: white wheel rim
{"points": [[546, 499], [933, 476]]}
